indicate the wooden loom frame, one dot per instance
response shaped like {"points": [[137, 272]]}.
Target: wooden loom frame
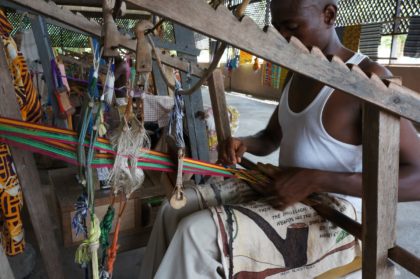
{"points": [[387, 101]]}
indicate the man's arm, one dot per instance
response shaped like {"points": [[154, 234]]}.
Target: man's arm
{"points": [[262, 143], [409, 173], [295, 184], [265, 141]]}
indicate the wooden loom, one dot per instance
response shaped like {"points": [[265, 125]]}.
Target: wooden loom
{"points": [[380, 137]]}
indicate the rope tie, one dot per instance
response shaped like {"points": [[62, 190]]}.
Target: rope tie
{"points": [[108, 93], [78, 221], [87, 251], [129, 141], [112, 251], [106, 226], [178, 199]]}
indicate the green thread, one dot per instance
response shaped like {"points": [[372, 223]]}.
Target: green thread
{"points": [[106, 226]]}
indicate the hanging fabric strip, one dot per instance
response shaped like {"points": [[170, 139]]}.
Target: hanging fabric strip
{"points": [[11, 225], [245, 58], [272, 75], [61, 92], [178, 199]]}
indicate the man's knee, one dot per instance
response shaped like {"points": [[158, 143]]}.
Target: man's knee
{"points": [[199, 224]]}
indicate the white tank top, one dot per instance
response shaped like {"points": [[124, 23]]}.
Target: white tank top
{"points": [[306, 143]]}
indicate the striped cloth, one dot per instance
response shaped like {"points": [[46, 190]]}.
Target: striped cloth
{"points": [[273, 75], [370, 39], [412, 44], [11, 228]]}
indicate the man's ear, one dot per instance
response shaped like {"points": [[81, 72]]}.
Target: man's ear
{"points": [[330, 14]]}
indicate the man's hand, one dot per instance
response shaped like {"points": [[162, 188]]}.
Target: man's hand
{"points": [[231, 151], [292, 185]]}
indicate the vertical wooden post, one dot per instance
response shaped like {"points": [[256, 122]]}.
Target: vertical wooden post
{"points": [[161, 88], [29, 179], [381, 139], [218, 103], [5, 270], [193, 103]]}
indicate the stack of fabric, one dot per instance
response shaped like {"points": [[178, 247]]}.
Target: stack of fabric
{"points": [[412, 44], [370, 39]]}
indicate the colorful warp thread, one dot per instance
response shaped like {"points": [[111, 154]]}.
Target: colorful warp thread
{"points": [[273, 75], [11, 228], [61, 144]]}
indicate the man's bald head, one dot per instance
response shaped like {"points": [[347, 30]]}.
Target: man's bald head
{"points": [[312, 21], [322, 3], [319, 4]]}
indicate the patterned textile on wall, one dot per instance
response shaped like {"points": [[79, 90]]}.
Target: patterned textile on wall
{"points": [[273, 75], [370, 39], [11, 229], [245, 58], [233, 114], [351, 37], [412, 44]]}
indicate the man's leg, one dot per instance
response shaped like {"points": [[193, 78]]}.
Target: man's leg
{"points": [[164, 228], [193, 252]]}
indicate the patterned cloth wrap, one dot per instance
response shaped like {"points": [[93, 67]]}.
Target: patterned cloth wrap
{"points": [[11, 228], [258, 241], [273, 75]]}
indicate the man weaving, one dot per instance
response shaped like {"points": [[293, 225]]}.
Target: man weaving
{"points": [[228, 231]]}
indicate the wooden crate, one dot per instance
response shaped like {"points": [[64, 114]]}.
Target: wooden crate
{"points": [[133, 232]]}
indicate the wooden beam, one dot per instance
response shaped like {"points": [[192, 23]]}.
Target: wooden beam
{"points": [[6, 270], [160, 85], [218, 103], [190, 50], [405, 259], [381, 140], [29, 179], [92, 28], [271, 46]]}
